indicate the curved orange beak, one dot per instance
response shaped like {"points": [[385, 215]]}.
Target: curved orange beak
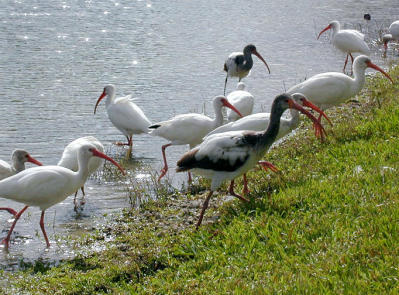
{"points": [[319, 128], [325, 29], [307, 103], [99, 99], [230, 106], [261, 58], [371, 65], [99, 154], [34, 161]]}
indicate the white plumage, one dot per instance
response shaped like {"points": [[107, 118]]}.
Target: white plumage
{"points": [[18, 160], [69, 157], [348, 41], [125, 115], [393, 34], [242, 100], [329, 89], [46, 186], [189, 128]]}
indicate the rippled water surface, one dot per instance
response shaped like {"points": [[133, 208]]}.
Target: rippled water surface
{"points": [[56, 57]]}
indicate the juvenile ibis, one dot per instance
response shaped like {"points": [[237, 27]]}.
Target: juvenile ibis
{"points": [[189, 128], [46, 186], [69, 158], [126, 116], [348, 41], [228, 155], [259, 121], [239, 64], [18, 160], [330, 89], [242, 100]]}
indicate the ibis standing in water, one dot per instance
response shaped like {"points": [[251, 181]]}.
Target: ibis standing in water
{"points": [[189, 128], [242, 100], [225, 156], [348, 41], [126, 116], [46, 186], [393, 34], [69, 159], [18, 160], [329, 89], [239, 64]]}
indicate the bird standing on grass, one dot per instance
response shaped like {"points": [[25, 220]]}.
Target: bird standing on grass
{"points": [[225, 156]]}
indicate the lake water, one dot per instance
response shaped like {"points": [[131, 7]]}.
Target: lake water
{"points": [[56, 57]]}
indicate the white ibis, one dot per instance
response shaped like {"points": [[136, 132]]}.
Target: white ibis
{"points": [[259, 121], [348, 41], [46, 186], [189, 128], [69, 158], [329, 89], [18, 160], [228, 155], [126, 116], [239, 64], [242, 100], [393, 34]]}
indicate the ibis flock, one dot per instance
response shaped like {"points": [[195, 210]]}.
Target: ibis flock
{"points": [[218, 151]]}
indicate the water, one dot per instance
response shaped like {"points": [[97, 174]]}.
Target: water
{"points": [[56, 57]]}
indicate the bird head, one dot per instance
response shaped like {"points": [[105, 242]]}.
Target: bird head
{"points": [[22, 156], [252, 49], [302, 100], [87, 151], [334, 25], [108, 90], [221, 101], [364, 61]]}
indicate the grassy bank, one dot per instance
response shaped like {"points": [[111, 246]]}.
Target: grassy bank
{"points": [[328, 224]]}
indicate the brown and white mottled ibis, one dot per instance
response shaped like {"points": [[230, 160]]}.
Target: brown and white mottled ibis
{"points": [[125, 115], [189, 128], [348, 41], [239, 64], [225, 156], [46, 186]]}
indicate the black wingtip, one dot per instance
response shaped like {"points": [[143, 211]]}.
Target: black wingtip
{"points": [[155, 126]]}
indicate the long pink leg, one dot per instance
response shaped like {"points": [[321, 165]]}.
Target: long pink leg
{"points": [[43, 230], [165, 167], [346, 61], [231, 192], [10, 210], [245, 190], [204, 207], [190, 179], [267, 165], [129, 139], [7, 239]]}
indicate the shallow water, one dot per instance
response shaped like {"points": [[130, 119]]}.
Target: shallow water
{"points": [[56, 57]]}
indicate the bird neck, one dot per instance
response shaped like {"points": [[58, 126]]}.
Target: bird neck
{"points": [[248, 62], [294, 121], [270, 134], [83, 171], [218, 120], [335, 29], [110, 98], [359, 78], [18, 166]]}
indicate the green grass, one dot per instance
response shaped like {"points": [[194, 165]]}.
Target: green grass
{"points": [[329, 224]]}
